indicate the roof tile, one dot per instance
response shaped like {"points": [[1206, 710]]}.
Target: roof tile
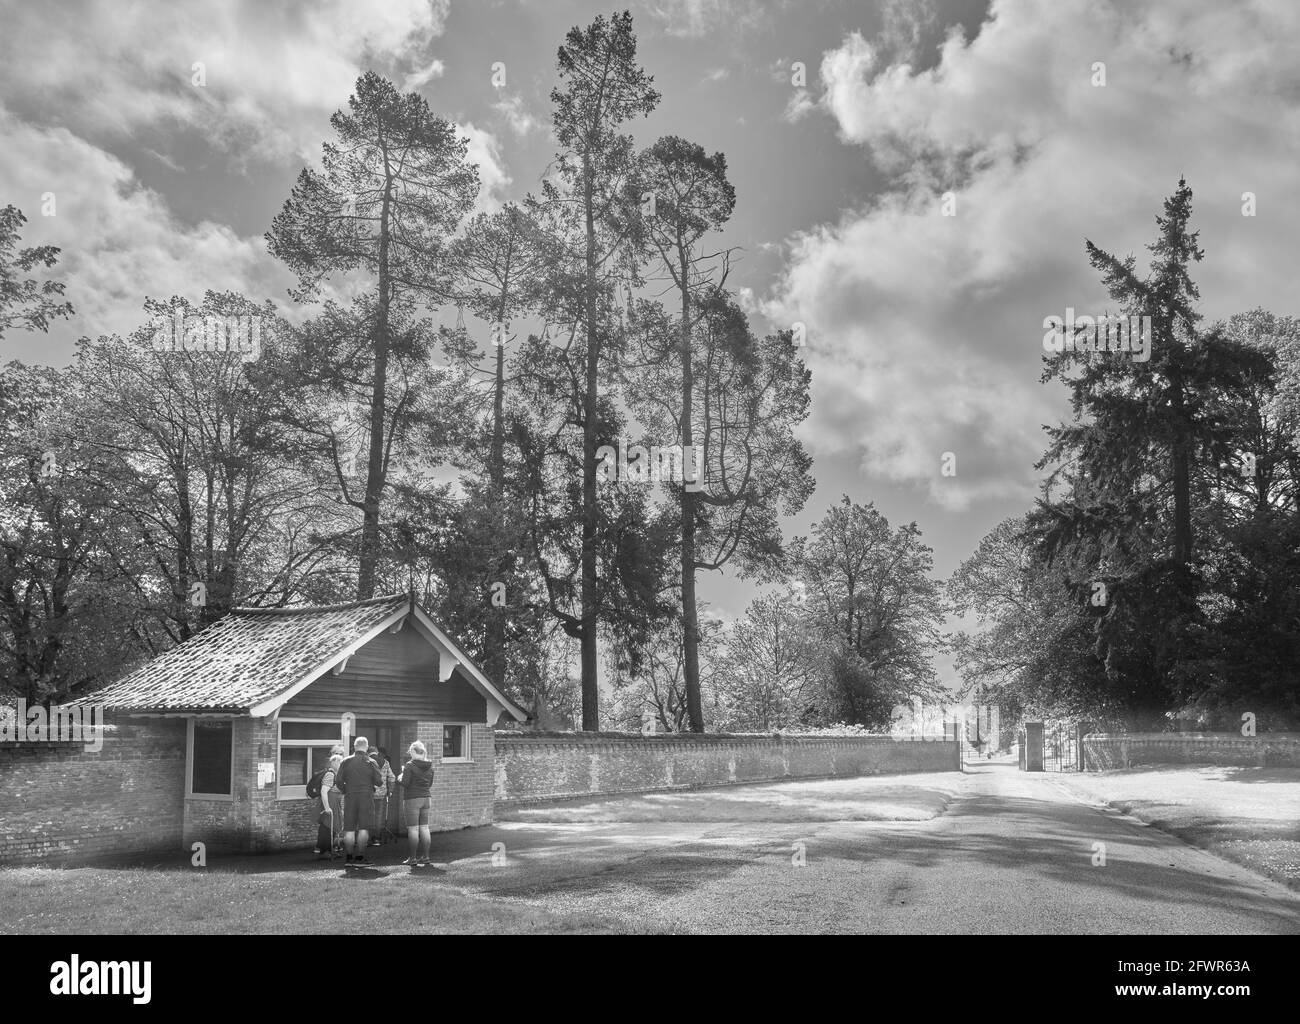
{"points": [[245, 658]]}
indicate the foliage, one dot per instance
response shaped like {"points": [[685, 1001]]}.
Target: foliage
{"points": [[24, 301]]}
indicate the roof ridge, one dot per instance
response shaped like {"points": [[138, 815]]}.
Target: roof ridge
{"points": [[308, 609]]}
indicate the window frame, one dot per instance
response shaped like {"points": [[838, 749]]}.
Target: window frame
{"points": [[300, 792], [189, 762], [467, 749]]}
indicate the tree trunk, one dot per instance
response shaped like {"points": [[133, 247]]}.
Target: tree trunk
{"points": [[690, 616], [590, 683], [496, 460], [1182, 506], [1181, 455], [494, 661], [369, 554], [185, 548]]}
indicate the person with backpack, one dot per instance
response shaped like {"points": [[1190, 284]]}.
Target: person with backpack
{"points": [[380, 757], [417, 780], [357, 777], [321, 787]]}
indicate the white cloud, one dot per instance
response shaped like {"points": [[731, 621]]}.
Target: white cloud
{"points": [[274, 72], [424, 76], [925, 331], [520, 119], [800, 105], [120, 242], [97, 78], [695, 18], [485, 150], [904, 22], [844, 73]]}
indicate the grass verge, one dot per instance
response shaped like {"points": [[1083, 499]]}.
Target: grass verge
{"points": [[139, 900]]}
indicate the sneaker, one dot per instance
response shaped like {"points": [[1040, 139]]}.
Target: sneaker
{"points": [[423, 863], [409, 861], [361, 862]]}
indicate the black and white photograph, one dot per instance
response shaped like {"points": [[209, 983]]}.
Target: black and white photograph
{"points": [[676, 468]]}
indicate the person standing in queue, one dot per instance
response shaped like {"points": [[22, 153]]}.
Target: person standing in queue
{"points": [[357, 777], [331, 800], [416, 780]]}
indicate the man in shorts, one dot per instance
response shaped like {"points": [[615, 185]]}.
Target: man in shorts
{"points": [[358, 776]]}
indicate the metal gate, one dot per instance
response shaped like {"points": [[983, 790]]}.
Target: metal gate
{"points": [[1051, 745], [974, 744], [978, 729], [1062, 745], [976, 749]]}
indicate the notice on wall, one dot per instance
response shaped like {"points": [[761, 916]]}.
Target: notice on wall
{"points": [[265, 773]]}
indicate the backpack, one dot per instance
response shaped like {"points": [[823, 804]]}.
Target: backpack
{"points": [[314, 784]]}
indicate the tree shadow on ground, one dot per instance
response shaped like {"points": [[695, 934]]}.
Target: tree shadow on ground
{"points": [[904, 802], [1230, 773], [1037, 837]]}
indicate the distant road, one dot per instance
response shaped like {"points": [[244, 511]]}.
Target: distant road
{"points": [[1012, 853]]}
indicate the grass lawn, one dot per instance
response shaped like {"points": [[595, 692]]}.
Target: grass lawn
{"points": [[171, 901], [288, 893], [866, 798], [1248, 815]]}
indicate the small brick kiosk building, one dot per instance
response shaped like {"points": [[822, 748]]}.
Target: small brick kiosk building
{"points": [[214, 740]]}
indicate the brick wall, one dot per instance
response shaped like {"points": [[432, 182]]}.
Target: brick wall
{"points": [[1107, 750], [462, 793], [533, 766], [60, 803], [256, 820]]}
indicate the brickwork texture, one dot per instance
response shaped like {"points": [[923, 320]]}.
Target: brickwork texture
{"points": [[532, 767]]}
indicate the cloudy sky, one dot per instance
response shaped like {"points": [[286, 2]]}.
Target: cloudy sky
{"points": [[924, 330]]}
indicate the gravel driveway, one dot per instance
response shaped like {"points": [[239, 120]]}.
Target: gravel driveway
{"points": [[990, 851]]}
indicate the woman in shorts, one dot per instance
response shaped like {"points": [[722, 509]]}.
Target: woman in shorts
{"points": [[416, 780]]}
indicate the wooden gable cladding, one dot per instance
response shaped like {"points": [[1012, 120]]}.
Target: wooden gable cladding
{"points": [[393, 676]]}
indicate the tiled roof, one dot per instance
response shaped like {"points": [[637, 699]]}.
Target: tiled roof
{"points": [[251, 655]]}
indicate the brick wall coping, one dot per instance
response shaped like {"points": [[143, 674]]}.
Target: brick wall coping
{"points": [[584, 738], [1208, 737]]}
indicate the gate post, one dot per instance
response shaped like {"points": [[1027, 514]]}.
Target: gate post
{"points": [[1033, 746]]}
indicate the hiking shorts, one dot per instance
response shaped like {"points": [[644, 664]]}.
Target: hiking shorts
{"points": [[416, 812], [358, 814]]}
